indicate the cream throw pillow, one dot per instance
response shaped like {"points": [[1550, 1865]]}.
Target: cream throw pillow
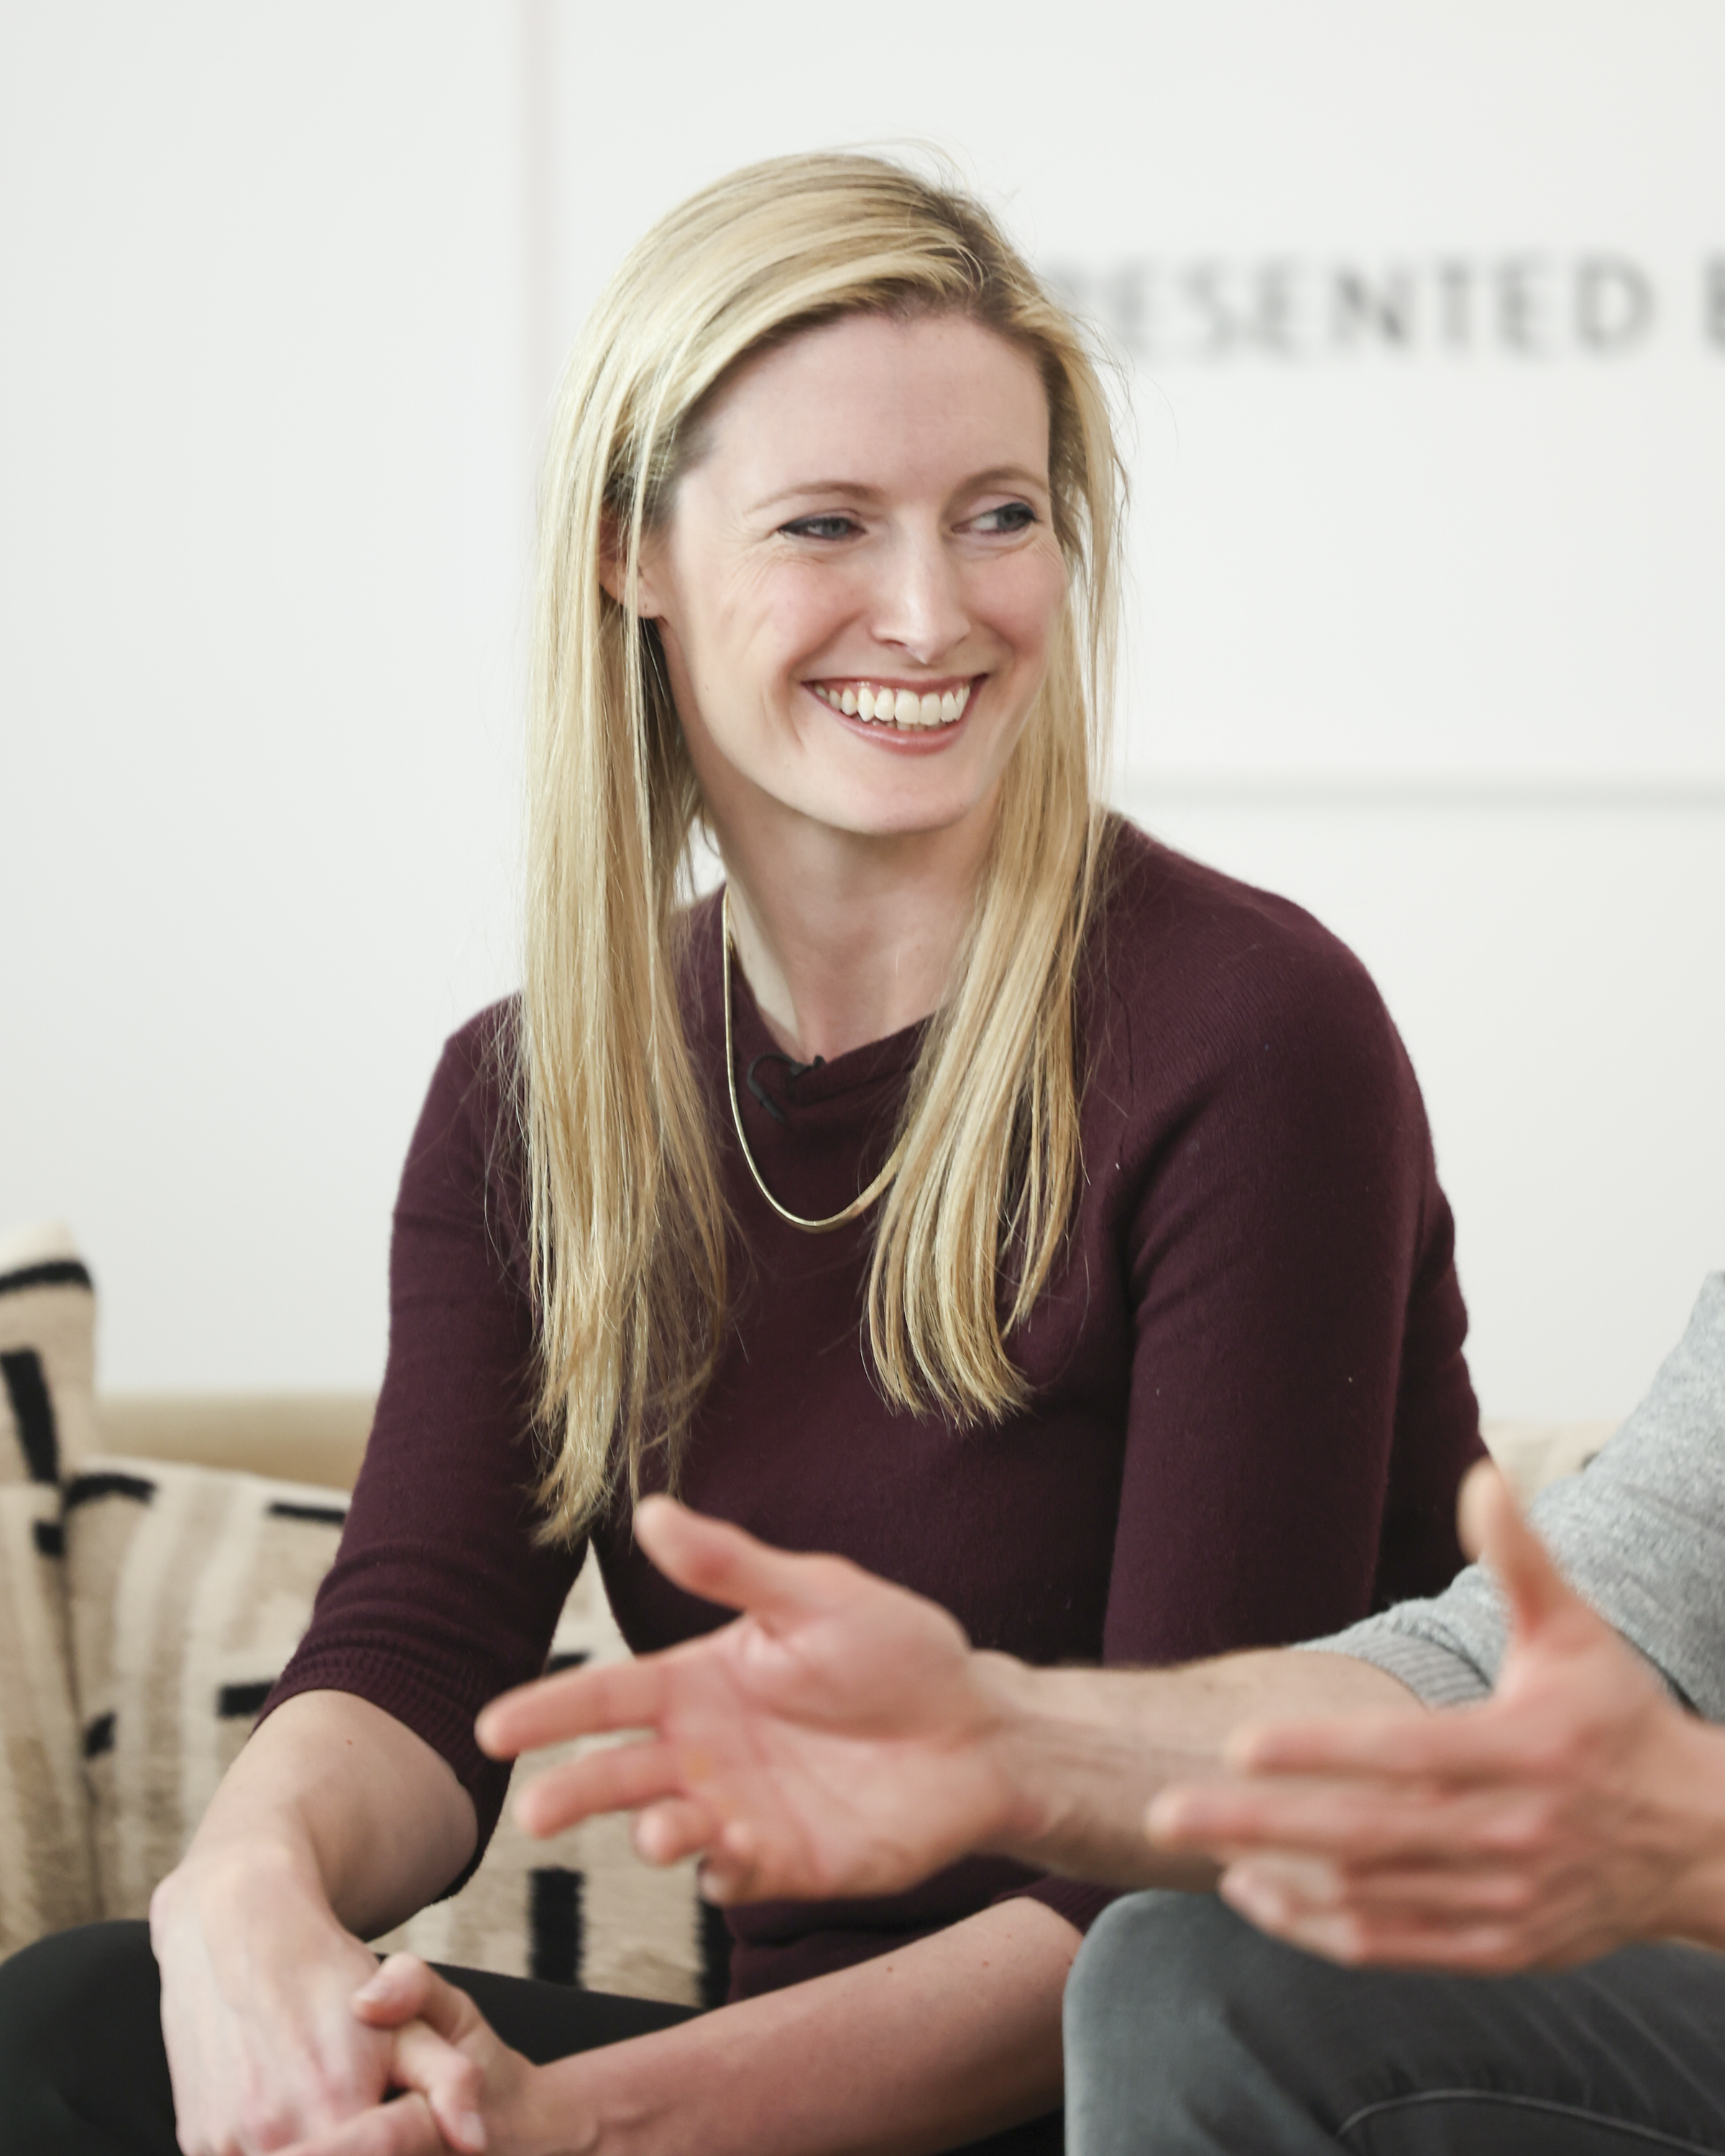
{"points": [[189, 1588]]}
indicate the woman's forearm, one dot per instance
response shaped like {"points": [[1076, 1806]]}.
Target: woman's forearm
{"points": [[334, 1787], [925, 2048]]}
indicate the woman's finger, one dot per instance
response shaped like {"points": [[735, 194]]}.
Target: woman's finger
{"points": [[406, 2127], [406, 1988], [430, 2017], [397, 1992], [452, 2084]]}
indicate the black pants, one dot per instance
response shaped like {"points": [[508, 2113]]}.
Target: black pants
{"points": [[83, 2072], [1189, 2033]]}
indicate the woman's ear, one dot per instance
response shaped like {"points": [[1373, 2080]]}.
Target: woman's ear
{"points": [[614, 569]]}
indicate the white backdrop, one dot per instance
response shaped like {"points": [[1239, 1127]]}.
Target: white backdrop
{"points": [[1422, 315]]}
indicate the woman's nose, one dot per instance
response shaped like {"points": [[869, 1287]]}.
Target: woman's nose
{"points": [[920, 603]]}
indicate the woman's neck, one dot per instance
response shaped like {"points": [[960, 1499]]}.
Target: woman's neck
{"points": [[846, 939]]}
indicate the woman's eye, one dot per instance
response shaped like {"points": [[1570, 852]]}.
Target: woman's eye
{"points": [[820, 527], [1010, 517]]}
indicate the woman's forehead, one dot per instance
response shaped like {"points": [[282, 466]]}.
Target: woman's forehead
{"points": [[938, 396]]}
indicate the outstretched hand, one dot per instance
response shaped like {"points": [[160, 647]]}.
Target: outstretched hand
{"points": [[835, 1739], [1548, 1824]]}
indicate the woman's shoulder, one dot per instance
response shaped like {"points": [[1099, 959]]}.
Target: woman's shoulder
{"points": [[476, 1071], [1171, 930], [468, 1136], [1196, 975]]}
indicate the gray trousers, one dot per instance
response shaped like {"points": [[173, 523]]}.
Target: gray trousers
{"points": [[1189, 2033]]}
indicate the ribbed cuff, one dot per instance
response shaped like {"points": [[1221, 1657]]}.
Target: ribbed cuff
{"points": [[400, 1690], [1439, 1676]]}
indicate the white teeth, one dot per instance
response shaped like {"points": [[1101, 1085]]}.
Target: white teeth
{"points": [[896, 707]]}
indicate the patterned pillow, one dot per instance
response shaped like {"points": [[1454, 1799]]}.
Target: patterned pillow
{"points": [[189, 1588], [47, 1878], [46, 1356]]}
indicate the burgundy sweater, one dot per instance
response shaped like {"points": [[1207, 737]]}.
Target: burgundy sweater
{"points": [[1250, 1409]]}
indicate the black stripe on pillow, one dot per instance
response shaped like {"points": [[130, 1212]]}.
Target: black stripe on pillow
{"points": [[572, 1661], [51, 1272], [554, 1926], [715, 1955], [32, 1411], [235, 1703], [323, 1516], [98, 1736], [50, 1539], [86, 1489]]}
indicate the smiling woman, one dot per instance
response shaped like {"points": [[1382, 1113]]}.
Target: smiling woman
{"points": [[972, 1187], [826, 432]]}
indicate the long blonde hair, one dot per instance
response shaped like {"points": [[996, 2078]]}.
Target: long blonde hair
{"points": [[628, 1222]]}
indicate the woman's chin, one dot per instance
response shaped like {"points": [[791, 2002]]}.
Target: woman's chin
{"points": [[892, 813]]}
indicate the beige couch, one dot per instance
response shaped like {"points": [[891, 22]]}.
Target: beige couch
{"points": [[296, 1437], [318, 1437], [158, 1557]]}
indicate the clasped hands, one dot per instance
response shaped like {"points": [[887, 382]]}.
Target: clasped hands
{"points": [[459, 2087]]}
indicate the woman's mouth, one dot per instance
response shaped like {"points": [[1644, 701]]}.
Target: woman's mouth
{"points": [[885, 704]]}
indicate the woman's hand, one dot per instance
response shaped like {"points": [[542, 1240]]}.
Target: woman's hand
{"points": [[838, 1737], [464, 2088], [335, 1820], [257, 1983], [1576, 1809]]}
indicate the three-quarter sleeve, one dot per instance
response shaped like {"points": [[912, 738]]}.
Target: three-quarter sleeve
{"points": [[439, 1597]]}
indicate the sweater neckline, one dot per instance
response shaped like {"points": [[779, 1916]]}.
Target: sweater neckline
{"points": [[873, 1062]]}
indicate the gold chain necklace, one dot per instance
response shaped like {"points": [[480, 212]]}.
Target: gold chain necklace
{"points": [[859, 1204]]}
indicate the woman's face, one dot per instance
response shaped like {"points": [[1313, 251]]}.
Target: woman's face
{"points": [[858, 583]]}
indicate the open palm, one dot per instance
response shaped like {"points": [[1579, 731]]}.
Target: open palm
{"points": [[834, 1739]]}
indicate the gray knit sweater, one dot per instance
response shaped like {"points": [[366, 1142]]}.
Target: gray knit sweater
{"points": [[1640, 1533]]}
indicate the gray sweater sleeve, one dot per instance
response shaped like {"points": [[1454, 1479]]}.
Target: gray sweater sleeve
{"points": [[1639, 1533]]}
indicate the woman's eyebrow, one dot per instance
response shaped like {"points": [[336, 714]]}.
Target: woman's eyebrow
{"points": [[853, 488], [857, 490]]}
